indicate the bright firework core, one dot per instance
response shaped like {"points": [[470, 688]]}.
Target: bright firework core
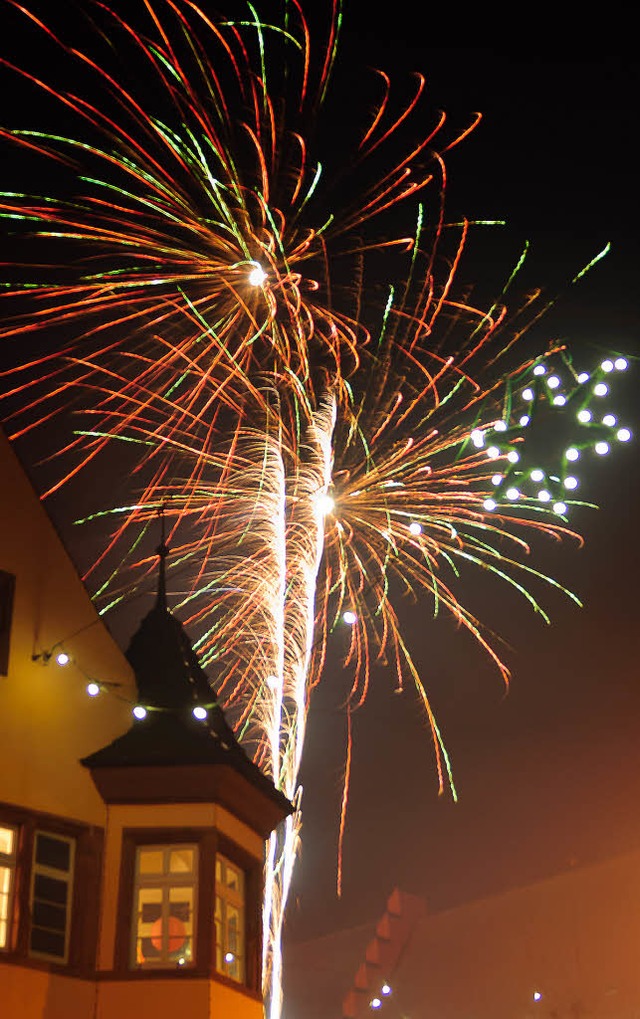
{"points": [[257, 276]]}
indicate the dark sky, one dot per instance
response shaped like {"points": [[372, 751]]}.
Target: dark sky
{"points": [[547, 776]]}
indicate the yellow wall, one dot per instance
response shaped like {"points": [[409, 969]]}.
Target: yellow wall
{"points": [[35, 994], [151, 999], [47, 721], [178, 815]]}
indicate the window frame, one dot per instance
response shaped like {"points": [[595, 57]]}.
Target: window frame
{"points": [[209, 843], [165, 881], [82, 941], [9, 863], [67, 877], [225, 895], [7, 596]]}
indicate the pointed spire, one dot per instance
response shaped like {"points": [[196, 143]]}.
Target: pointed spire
{"points": [[162, 551]]}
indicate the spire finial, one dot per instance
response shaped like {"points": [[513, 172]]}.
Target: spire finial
{"points": [[163, 552]]}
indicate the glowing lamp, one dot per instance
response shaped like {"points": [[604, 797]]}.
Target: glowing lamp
{"points": [[583, 377], [621, 364], [584, 416], [544, 496], [513, 456], [385, 989], [375, 1003], [477, 438], [199, 712], [537, 996], [609, 420], [572, 454], [559, 508], [500, 426], [489, 504], [570, 482], [93, 689], [62, 658], [623, 434], [539, 369], [349, 617], [559, 400], [553, 382], [257, 276], [601, 389], [601, 448], [512, 494], [496, 479], [528, 394], [139, 712], [493, 452], [537, 474], [607, 366], [229, 957], [524, 420], [415, 528]]}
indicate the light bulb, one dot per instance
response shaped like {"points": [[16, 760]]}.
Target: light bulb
{"points": [[93, 689], [528, 394], [415, 528], [512, 494], [607, 366], [375, 1003], [572, 454], [536, 996], [524, 420], [199, 712], [539, 369], [349, 617], [489, 504], [559, 400], [621, 364], [229, 957], [385, 989], [609, 420], [584, 416], [496, 479], [537, 474], [493, 452], [559, 508], [513, 456], [583, 377], [477, 438], [62, 658], [544, 496], [500, 426], [601, 448], [140, 712], [601, 389], [623, 434], [570, 482], [553, 382]]}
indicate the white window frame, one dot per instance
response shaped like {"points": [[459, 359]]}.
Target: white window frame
{"points": [[43, 870], [8, 864], [164, 881], [236, 968]]}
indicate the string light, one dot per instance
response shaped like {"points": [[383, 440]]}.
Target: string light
{"points": [[349, 617], [93, 689], [139, 712]]}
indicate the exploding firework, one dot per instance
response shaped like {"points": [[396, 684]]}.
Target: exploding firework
{"points": [[318, 450]]}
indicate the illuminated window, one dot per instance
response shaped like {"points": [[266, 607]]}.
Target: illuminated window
{"points": [[51, 896], [8, 842], [164, 906], [230, 919]]}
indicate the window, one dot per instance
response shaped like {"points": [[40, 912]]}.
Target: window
{"points": [[164, 906], [51, 895], [7, 587], [8, 842], [230, 919]]}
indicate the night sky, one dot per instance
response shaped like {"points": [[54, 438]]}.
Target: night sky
{"points": [[548, 775]]}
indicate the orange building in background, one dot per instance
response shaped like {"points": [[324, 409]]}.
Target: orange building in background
{"points": [[131, 848]]}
